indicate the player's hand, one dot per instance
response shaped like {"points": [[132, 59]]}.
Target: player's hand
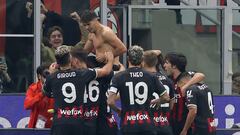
{"points": [[75, 16], [53, 67], [101, 58]]}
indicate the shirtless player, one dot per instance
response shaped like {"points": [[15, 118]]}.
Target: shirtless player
{"points": [[101, 38]]}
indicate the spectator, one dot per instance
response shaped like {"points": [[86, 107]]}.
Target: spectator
{"points": [[5, 80], [38, 103], [54, 40]]}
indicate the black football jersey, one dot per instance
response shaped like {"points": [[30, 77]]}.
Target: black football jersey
{"points": [[180, 110], [136, 87], [200, 96], [106, 118], [67, 88], [162, 113]]}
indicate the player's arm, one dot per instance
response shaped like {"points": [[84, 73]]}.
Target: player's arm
{"points": [[197, 78], [160, 89], [112, 102], [107, 68], [118, 47], [192, 111], [191, 101], [88, 47]]}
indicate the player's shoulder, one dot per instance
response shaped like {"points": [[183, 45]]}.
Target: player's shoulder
{"points": [[107, 32], [120, 74], [193, 87]]}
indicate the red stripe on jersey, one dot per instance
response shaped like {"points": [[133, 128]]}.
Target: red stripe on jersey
{"points": [[168, 116], [59, 113], [162, 122], [81, 110], [125, 118], [67, 109], [75, 114], [180, 105], [155, 116], [84, 114], [140, 121], [148, 120], [132, 122], [211, 127]]}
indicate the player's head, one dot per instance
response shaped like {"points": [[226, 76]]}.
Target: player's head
{"points": [[79, 58], [62, 55], [175, 61], [42, 72], [185, 77], [150, 59], [135, 55], [90, 20], [55, 36]]}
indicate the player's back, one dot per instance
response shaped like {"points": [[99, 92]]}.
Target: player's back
{"points": [[67, 88], [136, 87], [204, 101]]}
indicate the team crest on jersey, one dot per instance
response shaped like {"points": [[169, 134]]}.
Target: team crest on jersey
{"points": [[189, 94]]}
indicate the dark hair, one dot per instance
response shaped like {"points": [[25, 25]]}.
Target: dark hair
{"points": [[135, 55], [177, 59], [88, 16], [79, 53], [52, 29], [43, 70]]}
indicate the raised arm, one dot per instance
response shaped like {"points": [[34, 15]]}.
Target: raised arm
{"points": [[84, 33], [197, 78], [88, 47]]}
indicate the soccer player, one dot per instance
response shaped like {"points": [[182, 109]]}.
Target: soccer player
{"points": [[97, 119], [101, 38], [161, 113], [175, 65], [135, 87], [67, 87], [200, 108]]}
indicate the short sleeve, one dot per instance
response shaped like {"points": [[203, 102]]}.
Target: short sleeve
{"points": [[191, 97], [158, 87], [89, 74], [171, 88], [114, 85]]}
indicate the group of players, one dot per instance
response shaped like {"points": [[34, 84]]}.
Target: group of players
{"points": [[151, 103]]}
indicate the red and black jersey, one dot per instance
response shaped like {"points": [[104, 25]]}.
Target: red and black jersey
{"points": [[106, 117], [180, 111], [162, 113], [136, 87], [67, 88], [200, 96]]}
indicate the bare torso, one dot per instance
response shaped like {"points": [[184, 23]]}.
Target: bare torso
{"points": [[100, 45]]}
